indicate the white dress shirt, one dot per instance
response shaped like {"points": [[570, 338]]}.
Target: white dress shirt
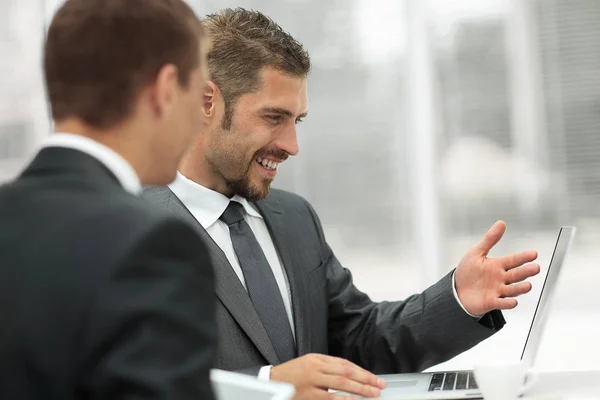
{"points": [[112, 160], [206, 206], [458, 300]]}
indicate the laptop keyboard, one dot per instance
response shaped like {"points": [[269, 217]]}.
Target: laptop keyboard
{"points": [[452, 381]]}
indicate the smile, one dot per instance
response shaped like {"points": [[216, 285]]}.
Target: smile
{"points": [[267, 164]]}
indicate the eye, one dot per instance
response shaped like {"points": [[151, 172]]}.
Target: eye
{"points": [[299, 120], [275, 118]]}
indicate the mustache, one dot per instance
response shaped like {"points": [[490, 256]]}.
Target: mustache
{"points": [[275, 153]]}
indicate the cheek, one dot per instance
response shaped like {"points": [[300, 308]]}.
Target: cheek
{"points": [[238, 146], [196, 116]]}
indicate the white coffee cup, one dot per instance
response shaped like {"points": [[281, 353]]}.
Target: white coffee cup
{"points": [[505, 381]]}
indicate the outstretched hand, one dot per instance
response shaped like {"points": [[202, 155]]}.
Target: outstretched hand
{"points": [[484, 284]]}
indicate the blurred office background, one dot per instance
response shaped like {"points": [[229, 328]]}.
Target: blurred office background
{"points": [[429, 120]]}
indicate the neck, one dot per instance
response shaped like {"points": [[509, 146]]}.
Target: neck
{"points": [[119, 139], [200, 172]]}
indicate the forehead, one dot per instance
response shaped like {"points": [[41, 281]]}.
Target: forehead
{"points": [[278, 89]]}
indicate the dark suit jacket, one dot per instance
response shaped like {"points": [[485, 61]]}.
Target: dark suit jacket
{"points": [[331, 315], [102, 296]]}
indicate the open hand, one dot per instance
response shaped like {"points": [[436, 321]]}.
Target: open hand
{"points": [[484, 284]]}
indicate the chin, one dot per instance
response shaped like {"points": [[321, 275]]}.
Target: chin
{"points": [[262, 195], [262, 192], [249, 187], [255, 192]]}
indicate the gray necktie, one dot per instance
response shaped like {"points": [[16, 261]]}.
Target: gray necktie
{"points": [[260, 282]]}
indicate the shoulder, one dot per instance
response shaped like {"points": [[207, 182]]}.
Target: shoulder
{"points": [[134, 209], [130, 238], [159, 195], [124, 222], [297, 211]]}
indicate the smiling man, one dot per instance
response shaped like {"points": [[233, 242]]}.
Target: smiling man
{"points": [[287, 310], [241, 154]]}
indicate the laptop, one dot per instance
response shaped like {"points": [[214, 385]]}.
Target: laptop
{"points": [[462, 384], [234, 386]]}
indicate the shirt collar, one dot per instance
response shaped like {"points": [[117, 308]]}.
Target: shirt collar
{"points": [[207, 205], [112, 160]]}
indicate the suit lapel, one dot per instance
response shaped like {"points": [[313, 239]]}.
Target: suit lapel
{"points": [[228, 287], [274, 220]]}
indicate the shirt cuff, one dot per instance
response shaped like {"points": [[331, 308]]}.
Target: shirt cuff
{"points": [[458, 300], [264, 374]]}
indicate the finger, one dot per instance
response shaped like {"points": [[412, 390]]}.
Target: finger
{"points": [[504, 304], [316, 394], [336, 397], [490, 239], [333, 365], [322, 357], [516, 290], [344, 384], [518, 259], [341, 367], [520, 274]]}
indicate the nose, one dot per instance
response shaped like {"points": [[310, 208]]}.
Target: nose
{"points": [[288, 141]]}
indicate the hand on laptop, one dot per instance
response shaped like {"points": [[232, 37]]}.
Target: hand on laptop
{"points": [[484, 284], [313, 374]]}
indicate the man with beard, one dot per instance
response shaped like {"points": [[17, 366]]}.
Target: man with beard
{"points": [[287, 310]]}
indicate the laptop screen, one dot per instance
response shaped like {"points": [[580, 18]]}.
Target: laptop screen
{"points": [[534, 337]]}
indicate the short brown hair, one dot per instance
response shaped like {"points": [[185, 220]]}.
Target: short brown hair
{"points": [[99, 54], [244, 42]]}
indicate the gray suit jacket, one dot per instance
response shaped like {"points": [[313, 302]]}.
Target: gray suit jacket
{"points": [[331, 315]]}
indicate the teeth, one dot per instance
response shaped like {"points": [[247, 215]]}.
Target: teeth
{"points": [[268, 164]]}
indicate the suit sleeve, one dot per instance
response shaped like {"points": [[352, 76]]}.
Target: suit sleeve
{"points": [[402, 336], [151, 330]]}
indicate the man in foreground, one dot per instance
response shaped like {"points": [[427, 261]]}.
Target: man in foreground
{"points": [[102, 296]]}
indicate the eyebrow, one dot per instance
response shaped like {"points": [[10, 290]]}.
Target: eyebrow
{"points": [[282, 111]]}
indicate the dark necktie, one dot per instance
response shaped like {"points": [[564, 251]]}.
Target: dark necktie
{"points": [[260, 282]]}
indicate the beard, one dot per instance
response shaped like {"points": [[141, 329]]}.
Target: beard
{"points": [[229, 160], [244, 187], [236, 171]]}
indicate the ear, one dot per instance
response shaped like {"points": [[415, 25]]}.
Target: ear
{"points": [[212, 98], [164, 91]]}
